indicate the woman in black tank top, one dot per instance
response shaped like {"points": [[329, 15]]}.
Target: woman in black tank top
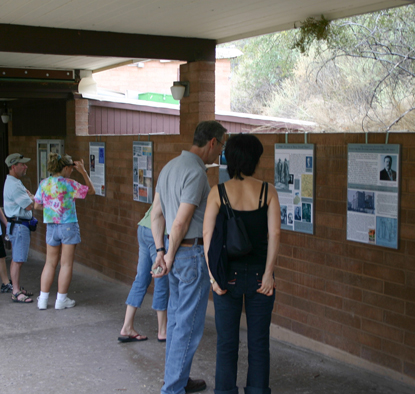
{"points": [[250, 279]]}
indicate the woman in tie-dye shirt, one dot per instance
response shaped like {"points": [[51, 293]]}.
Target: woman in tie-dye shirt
{"points": [[56, 196]]}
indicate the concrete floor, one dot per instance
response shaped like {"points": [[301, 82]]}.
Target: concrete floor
{"points": [[76, 350]]}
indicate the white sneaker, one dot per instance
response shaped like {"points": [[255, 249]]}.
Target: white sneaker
{"points": [[67, 303], [42, 303]]}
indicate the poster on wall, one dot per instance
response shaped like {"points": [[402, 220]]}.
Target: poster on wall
{"points": [[223, 168], [97, 166], [143, 171], [373, 194], [294, 181], [44, 147]]}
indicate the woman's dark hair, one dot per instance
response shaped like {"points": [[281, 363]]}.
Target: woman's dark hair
{"points": [[242, 153], [56, 162]]}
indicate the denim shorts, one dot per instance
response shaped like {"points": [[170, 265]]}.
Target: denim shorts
{"points": [[63, 233], [20, 240]]}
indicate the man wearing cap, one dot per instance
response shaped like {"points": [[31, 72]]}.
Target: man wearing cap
{"points": [[179, 205], [18, 205]]}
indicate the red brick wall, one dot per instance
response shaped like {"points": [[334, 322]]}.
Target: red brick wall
{"points": [[353, 297]]}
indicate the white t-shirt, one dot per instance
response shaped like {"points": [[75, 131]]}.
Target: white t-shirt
{"points": [[16, 199]]}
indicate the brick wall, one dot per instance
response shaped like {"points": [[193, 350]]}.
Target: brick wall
{"points": [[349, 297]]}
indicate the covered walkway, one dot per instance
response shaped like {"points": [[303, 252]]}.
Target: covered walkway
{"points": [[76, 350]]}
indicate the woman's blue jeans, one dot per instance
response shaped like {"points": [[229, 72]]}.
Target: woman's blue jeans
{"points": [[146, 256], [242, 286]]}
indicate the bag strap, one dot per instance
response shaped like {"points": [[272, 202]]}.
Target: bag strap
{"points": [[264, 186], [260, 196], [225, 200]]}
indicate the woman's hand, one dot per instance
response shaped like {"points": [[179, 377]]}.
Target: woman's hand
{"points": [[268, 285], [79, 166], [217, 289]]}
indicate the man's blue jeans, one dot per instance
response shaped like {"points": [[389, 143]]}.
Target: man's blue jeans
{"points": [[186, 312], [146, 256], [242, 286]]}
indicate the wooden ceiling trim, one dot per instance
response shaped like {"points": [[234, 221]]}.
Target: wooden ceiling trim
{"points": [[38, 89], [45, 40], [36, 73]]}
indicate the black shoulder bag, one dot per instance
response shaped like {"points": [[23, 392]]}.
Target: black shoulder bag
{"points": [[217, 256], [229, 241], [237, 241]]}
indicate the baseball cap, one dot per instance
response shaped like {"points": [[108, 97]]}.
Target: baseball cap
{"points": [[15, 158]]}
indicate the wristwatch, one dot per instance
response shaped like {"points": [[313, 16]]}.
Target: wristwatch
{"points": [[212, 280], [161, 250]]}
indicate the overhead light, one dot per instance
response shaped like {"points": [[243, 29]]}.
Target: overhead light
{"points": [[5, 116], [180, 89]]}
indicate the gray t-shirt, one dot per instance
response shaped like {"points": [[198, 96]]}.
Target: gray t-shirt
{"points": [[184, 180]]}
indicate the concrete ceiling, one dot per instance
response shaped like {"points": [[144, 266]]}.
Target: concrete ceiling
{"points": [[219, 20]]}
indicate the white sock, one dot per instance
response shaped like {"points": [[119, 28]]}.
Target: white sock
{"points": [[44, 296], [61, 297]]}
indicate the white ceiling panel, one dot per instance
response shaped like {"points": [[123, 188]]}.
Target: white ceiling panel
{"points": [[220, 20]]}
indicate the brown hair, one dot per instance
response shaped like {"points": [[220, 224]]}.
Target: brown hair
{"points": [[56, 162]]}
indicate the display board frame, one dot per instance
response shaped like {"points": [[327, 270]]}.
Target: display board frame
{"points": [[143, 180], [43, 148], [373, 194], [97, 167], [294, 169]]}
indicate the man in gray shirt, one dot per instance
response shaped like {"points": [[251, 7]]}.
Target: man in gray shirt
{"points": [[179, 205]]}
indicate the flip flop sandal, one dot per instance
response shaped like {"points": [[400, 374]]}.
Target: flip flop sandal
{"points": [[132, 338], [23, 300]]}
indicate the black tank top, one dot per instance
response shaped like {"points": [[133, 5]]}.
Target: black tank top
{"points": [[256, 224]]}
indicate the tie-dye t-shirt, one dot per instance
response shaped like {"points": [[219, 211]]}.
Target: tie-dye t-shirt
{"points": [[57, 195]]}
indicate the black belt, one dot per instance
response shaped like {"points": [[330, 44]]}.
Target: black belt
{"points": [[190, 241], [14, 221], [17, 220]]}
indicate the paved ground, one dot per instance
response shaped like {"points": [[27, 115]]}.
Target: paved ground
{"points": [[76, 350]]}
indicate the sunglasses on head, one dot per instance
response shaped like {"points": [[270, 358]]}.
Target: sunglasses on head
{"points": [[12, 161]]}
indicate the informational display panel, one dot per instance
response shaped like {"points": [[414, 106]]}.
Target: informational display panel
{"points": [[44, 147], [97, 166], [223, 168], [294, 181], [373, 194], [143, 171]]}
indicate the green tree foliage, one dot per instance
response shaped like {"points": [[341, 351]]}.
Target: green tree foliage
{"points": [[360, 75], [266, 62], [383, 47], [311, 30]]}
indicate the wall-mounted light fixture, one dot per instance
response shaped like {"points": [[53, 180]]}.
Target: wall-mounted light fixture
{"points": [[180, 89], [5, 116]]}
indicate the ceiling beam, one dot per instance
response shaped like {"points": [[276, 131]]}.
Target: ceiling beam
{"points": [[36, 89], [52, 41]]}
